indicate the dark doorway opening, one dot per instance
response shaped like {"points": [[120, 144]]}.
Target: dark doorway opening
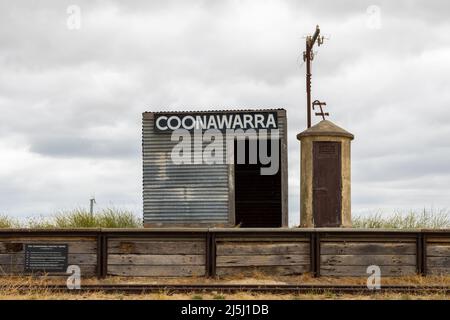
{"points": [[327, 184], [257, 196]]}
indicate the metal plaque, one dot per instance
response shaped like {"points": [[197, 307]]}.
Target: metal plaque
{"points": [[46, 257]]}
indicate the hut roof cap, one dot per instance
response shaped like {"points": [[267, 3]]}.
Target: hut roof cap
{"points": [[325, 128]]}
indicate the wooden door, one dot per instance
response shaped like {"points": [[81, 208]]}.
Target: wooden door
{"points": [[327, 184]]}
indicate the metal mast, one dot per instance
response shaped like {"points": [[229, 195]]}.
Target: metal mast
{"points": [[308, 56]]}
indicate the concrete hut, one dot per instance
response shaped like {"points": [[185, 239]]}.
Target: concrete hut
{"points": [[325, 193]]}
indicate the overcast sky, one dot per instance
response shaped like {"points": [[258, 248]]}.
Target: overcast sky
{"points": [[71, 98]]}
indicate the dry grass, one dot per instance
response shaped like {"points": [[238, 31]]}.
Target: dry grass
{"points": [[15, 287], [237, 279], [118, 218], [427, 219], [33, 295], [26, 288], [8, 222], [106, 218], [14, 284], [78, 218]]}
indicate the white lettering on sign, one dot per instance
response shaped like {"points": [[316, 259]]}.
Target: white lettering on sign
{"points": [[207, 147], [218, 121]]}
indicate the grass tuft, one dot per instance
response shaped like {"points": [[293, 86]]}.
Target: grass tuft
{"points": [[119, 218], [412, 220], [78, 218], [105, 218], [8, 222]]}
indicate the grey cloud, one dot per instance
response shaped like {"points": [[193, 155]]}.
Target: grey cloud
{"points": [[73, 147], [406, 166], [73, 99]]}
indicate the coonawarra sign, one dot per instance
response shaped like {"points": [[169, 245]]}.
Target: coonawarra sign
{"points": [[219, 121]]}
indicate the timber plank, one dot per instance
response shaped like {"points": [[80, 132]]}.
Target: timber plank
{"points": [[270, 270], [155, 271], [439, 239], [141, 259], [262, 260], [388, 248], [13, 258], [79, 258], [74, 246], [156, 247], [82, 259], [434, 250], [230, 248], [221, 238], [18, 269], [356, 271], [367, 260], [368, 238], [46, 239], [438, 271], [439, 262]]}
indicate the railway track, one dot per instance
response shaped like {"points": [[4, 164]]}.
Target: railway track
{"points": [[232, 288]]}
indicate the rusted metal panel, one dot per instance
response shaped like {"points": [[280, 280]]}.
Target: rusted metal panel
{"points": [[420, 254], [327, 184], [211, 254]]}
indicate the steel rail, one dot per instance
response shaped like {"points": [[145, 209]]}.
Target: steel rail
{"points": [[231, 288]]}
